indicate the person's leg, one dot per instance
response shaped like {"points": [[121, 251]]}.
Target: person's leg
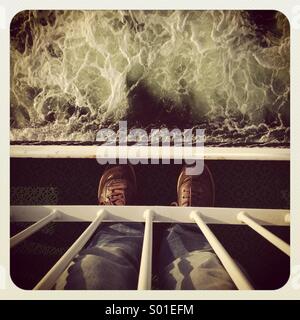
{"points": [[187, 260], [111, 260]]}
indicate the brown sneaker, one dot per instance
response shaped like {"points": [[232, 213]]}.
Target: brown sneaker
{"points": [[197, 190], [117, 186]]}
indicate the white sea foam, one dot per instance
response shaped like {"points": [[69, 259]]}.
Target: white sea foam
{"points": [[73, 72]]}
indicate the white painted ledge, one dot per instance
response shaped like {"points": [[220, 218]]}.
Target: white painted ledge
{"points": [[212, 215], [144, 152]]}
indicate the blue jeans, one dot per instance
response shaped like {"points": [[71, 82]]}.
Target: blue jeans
{"points": [[112, 260]]}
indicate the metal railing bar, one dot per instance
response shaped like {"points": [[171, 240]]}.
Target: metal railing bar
{"points": [[48, 281], [24, 234], [164, 214], [237, 276], [271, 237], [94, 151], [287, 218], [145, 274]]}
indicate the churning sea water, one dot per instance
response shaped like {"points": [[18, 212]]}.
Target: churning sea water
{"points": [[74, 72]]}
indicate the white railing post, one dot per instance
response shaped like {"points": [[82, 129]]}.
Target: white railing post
{"points": [[48, 281], [145, 274], [21, 236], [276, 241], [237, 276]]}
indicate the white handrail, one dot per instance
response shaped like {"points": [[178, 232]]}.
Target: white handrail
{"points": [[237, 276], [145, 274], [48, 281], [209, 153], [24, 234], [166, 214], [276, 241]]}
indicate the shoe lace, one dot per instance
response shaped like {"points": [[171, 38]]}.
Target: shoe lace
{"points": [[116, 194], [189, 193]]}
